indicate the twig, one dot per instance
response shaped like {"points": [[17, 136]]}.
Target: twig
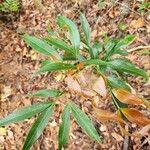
{"points": [[138, 48]]}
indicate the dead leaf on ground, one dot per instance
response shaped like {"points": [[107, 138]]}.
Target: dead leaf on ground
{"points": [[73, 85], [7, 91], [135, 116], [88, 93], [137, 23], [2, 131], [100, 87], [117, 137], [127, 97], [104, 115]]}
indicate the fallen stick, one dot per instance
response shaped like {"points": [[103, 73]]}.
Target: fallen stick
{"points": [[138, 48]]}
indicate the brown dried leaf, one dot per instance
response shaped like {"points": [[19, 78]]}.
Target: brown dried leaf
{"points": [[144, 130], [100, 87], [118, 137], [127, 97], [81, 79], [135, 116], [73, 85], [137, 23], [88, 93], [104, 115]]}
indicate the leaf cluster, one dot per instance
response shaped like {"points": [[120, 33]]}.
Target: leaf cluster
{"points": [[10, 6], [72, 53]]}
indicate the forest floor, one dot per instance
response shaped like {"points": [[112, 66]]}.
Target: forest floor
{"points": [[18, 63]]}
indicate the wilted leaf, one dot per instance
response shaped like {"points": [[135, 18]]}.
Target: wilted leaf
{"points": [[64, 128], [38, 127], [73, 85], [24, 113], [104, 115], [47, 93], [85, 123], [41, 46], [135, 116], [127, 97], [100, 87]]}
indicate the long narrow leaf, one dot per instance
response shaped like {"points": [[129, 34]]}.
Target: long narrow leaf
{"points": [[117, 83], [95, 62], [38, 127], [85, 123], [47, 93], [123, 65], [55, 67], [60, 44], [24, 113], [125, 41], [64, 128], [41, 46], [73, 30], [86, 28]]}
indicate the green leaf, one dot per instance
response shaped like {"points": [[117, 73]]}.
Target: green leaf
{"points": [[86, 124], [38, 127], [45, 62], [125, 41], [60, 44], [95, 62], [24, 113], [109, 47], [117, 83], [121, 52], [73, 30], [86, 28], [96, 49], [64, 128], [47, 93], [41, 46], [122, 65], [55, 67]]}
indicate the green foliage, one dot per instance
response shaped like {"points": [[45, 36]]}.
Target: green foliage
{"points": [[107, 59], [47, 93], [38, 127], [144, 6], [86, 124], [10, 6], [64, 128]]}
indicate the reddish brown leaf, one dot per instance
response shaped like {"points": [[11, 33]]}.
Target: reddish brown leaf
{"points": [[100, 87], [127, 97], [135, 116], [73, 85], [104, 115]]}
